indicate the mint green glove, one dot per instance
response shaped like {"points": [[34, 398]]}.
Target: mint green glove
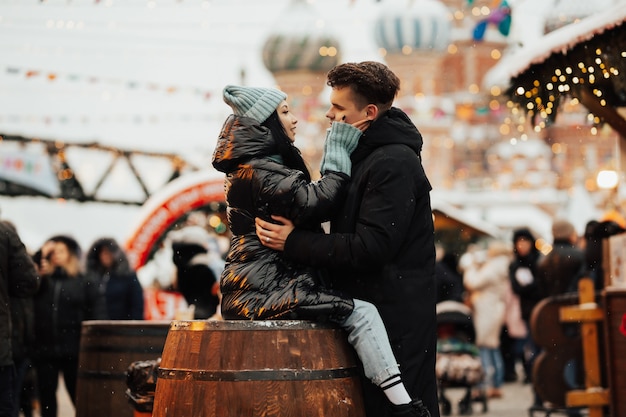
{"points": [[341, 140]]}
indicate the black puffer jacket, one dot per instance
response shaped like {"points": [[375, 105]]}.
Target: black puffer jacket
{"points": [[257, 282], [62, 303]]}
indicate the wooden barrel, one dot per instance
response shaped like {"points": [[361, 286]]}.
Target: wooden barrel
{"points": [[257, 368], [107, 348]]}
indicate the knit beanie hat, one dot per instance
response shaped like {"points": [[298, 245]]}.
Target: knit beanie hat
{"points": [[255, 102]]}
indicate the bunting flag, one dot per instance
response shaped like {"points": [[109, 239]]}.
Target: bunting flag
{"points": [[117, 118], [130, 84], [500, 17], [29, 169]]}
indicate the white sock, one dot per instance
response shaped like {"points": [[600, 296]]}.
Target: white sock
{"points": [[395, 390]]}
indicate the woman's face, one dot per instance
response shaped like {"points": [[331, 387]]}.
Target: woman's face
{"points": [[287, 119], [106, 258], [523, 246], [60, 255]]}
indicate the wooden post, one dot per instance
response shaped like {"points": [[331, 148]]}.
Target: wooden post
{"points": [[589, 316]]}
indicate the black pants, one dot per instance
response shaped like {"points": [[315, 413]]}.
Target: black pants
{"points": [[48, 380], [7, 381]]}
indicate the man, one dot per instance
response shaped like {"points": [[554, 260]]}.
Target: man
{"points": [[381, 243], [558, 273], [559, 270], [18, 278]]}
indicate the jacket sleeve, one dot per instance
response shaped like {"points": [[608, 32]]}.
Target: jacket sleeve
{"points": [[136, 299], [477, 277], [95, 303], [302, 201], [23, 278], [391, 192]]}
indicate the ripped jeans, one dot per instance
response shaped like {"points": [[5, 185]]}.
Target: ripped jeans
{"points": [[367, 334]]}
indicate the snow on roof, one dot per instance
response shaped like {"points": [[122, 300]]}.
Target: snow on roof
{"points": [[458, 214], [517, 61]]}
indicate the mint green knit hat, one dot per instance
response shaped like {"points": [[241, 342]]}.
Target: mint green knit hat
{"points": [[255, 102]]}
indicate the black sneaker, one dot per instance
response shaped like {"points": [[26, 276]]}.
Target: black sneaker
{"points": [[415, 408]]}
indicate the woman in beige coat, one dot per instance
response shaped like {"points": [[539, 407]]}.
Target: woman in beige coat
{"points": [[486, 278]]}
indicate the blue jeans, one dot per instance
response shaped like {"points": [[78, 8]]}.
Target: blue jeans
{"points": [[368, 336], [491, 359]]}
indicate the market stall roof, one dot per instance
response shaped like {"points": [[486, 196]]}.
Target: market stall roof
{"points": [[449, 216], [585, 60], [559, 41]]}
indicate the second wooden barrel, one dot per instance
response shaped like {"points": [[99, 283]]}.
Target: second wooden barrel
{"points": [[107, 348], [257, 368]]}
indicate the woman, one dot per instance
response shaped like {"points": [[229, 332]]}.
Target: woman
{"points": [[265, 175], [486, 278], [108, 265], [65, 299]]}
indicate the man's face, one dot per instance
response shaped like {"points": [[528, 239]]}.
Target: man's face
{"points": [[343, 106]]}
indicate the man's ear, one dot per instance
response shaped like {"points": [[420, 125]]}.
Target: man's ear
{"points": [[371, 112]]}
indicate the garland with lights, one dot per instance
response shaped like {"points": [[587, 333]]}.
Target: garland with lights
{"points": [[31, 74], [592, 71]]}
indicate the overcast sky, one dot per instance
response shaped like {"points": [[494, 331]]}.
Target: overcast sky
{"points": [[145, 74], [148, 75]]}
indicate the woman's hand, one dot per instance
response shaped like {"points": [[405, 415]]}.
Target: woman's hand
{"points": [[274, 235], [362, 125]]}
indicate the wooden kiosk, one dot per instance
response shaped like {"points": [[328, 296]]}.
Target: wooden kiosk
{"points": [[583, 337]]}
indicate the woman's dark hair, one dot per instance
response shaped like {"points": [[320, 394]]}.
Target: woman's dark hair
{"points": [[290, 154]]}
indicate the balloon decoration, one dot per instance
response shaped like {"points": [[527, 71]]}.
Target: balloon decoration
{"points": [[499, 17]]}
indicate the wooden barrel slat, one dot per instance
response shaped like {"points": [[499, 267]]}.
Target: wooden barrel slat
{"points": [[242, 368], [107, 348]]}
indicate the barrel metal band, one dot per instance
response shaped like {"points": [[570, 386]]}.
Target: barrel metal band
{"points": [[257, 375]]}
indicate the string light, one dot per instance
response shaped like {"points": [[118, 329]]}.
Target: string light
{"points": [[593, 65]]}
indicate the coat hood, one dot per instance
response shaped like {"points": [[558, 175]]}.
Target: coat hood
{"points": [[120, 261], [240, 140], [393, 127]]}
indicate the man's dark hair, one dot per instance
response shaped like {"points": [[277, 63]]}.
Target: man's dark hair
{"points": [[371, 82]]}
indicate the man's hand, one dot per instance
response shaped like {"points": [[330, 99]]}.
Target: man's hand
{"points": [[274, 235]]}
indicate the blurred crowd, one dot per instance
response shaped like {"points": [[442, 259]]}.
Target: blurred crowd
{"points": [[499, 281], [503, 281], [75, 285]]}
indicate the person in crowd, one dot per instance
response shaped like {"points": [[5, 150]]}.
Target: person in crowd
{"points": [[449, 280], [381, 242], [558, 271], [194, 277], [486, 278], [18, 279], [265, 174], [522, 275], [595, 233], [65, 299], [513, 335], [108, 265]]}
